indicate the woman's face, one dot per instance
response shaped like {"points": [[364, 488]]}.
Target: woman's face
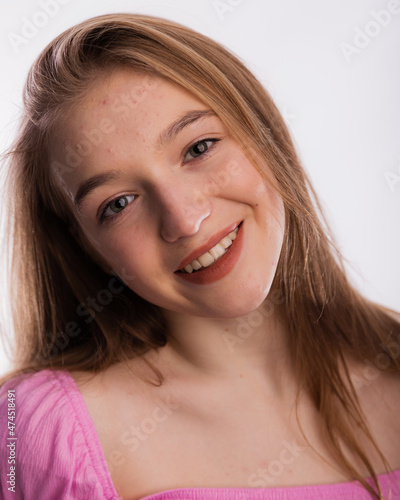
{"points": [[155, 181]]}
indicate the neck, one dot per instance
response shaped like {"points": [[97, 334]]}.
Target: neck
{"points": [[248, 349]]}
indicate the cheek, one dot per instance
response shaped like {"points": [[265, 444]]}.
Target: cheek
{"points": [[109, 250], [91, 245], [249, 184], [229, 169], [134, 257], [123, 252], [260, 194], [276, 207]]}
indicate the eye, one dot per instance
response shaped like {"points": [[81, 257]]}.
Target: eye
{"points": [[200, 148], [116, 206]]}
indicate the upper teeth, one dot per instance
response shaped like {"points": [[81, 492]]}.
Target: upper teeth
{"points": [[213, 254]]}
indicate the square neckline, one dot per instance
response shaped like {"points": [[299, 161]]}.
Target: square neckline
{"points": [[100, 463]]}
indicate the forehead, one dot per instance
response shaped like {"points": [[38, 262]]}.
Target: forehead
{"points": [[123, 111], [126, 98]]}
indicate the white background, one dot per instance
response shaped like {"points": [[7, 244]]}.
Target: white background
{"points": [[343, 112]]}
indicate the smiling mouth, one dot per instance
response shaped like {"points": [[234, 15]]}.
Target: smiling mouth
{"points": [[212, 255]]}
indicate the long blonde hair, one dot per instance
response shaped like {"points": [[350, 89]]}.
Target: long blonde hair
{"points": [[54, 274]]}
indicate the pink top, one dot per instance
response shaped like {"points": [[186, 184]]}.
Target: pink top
{"points": [[56, 452]]}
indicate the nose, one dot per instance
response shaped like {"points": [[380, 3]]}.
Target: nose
{"points": [[182, 208]]}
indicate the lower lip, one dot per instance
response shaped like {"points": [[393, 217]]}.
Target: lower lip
{"points": [[221, 267]]}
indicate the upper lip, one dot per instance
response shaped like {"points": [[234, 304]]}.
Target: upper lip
{"points": [[211, 242]]}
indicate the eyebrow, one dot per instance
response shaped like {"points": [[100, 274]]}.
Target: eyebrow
{"points": [[90, 184], [173, 130]]}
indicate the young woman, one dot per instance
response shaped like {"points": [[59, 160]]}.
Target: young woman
{"points": [[184, 325]]}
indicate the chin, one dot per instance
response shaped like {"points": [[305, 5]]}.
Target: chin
{"points": [[243, 300]]}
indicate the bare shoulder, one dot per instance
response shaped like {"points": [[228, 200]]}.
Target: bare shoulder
{"points": [[100, 388], [119, 388], [375, 380], [100, 383], [378, 391], [381, 405]]}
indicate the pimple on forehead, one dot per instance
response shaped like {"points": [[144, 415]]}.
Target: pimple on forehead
{"points": [[129, 88]]}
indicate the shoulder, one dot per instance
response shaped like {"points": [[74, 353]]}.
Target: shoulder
{"points": [[44, 402], [37, 389], [40, 400], [378, 391], [54, 453]]}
